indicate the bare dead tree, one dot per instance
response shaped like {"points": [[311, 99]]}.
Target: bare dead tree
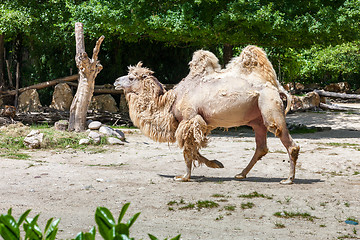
{"points": [[88, 70]]}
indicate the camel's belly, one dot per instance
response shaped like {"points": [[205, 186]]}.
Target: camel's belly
{"points": [[233, 111]]}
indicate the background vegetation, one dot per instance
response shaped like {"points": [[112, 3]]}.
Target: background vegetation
{"points": [[307, 41]]}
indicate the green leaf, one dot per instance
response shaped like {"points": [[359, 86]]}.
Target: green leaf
{"points": [[23, 217], [86, 236], [11, 228], [105, 221], [51, 229], [133, 219], [6, 233], [152, 237], [122, 229], [176, 238], [123, 211], [32, 230]]}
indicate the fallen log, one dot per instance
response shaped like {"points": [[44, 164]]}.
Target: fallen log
{"points": [[41, 85], [101, 89], [335, 107], [337, 95], [51, 116]]}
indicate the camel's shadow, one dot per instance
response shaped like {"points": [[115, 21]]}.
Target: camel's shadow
{"points": [[249, 179]]}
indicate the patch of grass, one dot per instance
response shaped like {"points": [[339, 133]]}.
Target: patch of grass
{"points": [[188, 206], [286, 214], [16, 155], [230, 207], [322, 225], [172, 203], [220, 217], [356, 173], [338, 144], [347, 236], [255, 195], [217, 195], [347, 204], [247, 205], [106, 165], [206, 204], [279, 225]]}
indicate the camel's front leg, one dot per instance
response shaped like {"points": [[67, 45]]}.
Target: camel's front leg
{"points": [[188, 156], [293, 151]]}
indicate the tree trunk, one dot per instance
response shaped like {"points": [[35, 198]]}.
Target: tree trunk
{"points": [[18, 48], [2, 80], [88, 70], [227, 53]]}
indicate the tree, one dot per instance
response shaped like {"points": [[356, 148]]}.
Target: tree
{"points": [[88, 70]]}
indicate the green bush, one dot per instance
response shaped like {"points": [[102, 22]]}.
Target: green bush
{"points": [[108, 228]]}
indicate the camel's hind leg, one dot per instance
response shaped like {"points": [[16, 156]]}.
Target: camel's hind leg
{"points": [[271, 108], [261, 147]]}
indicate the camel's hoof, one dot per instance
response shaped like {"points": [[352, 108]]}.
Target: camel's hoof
{"points": [[240, 176], [217, 164], [181, 179], [286, 182]]}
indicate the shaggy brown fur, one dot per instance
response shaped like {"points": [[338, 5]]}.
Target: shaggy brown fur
{"points": [[245, 93], [150, 108]]}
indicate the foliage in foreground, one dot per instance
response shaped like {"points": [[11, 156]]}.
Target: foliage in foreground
{"points": [[108, 228]]}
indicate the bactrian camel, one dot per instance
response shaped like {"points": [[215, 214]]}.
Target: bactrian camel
{"points": [[246, 92]]}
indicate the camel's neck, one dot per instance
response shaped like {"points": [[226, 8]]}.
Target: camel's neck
{"points": [[153, 115]]}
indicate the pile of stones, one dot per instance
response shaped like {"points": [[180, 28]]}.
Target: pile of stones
{"points": [[97, 130]]}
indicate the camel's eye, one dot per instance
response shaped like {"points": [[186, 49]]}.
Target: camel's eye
{"points": [[131, 78]]}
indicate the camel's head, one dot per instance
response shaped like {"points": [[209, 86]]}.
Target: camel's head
{"points": [[138, 80]]}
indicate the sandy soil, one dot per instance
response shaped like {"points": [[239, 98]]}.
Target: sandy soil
{"points": [[70, 185]]}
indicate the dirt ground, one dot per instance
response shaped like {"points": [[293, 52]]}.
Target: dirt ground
{"points": [[70, 184]]}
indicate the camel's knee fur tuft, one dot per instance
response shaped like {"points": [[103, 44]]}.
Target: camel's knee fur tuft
{"points": [[192, 133]]}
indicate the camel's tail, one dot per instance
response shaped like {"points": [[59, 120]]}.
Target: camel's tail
{"points": [[254, 59]]}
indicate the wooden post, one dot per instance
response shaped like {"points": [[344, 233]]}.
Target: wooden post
{"points": [[88, 70]]}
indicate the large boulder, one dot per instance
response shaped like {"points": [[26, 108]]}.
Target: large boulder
{"points": [[338, 87], [62, 97], [309, 101], [103, 103], [123, 106], [29, 101]]}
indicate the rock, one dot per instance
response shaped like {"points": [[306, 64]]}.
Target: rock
{"points": [[62, 97], [299, 86], [103, 103], [29, 101], [95, 137], [309, 101], [338, 87], [61, 125], [84, 141], [34, 139], [123, 106], [114, 141], [119, 134], [108, 131], [357, 91], [94, 125]]}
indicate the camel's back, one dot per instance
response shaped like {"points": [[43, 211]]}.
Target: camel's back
{"points": [[222, 99]]}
